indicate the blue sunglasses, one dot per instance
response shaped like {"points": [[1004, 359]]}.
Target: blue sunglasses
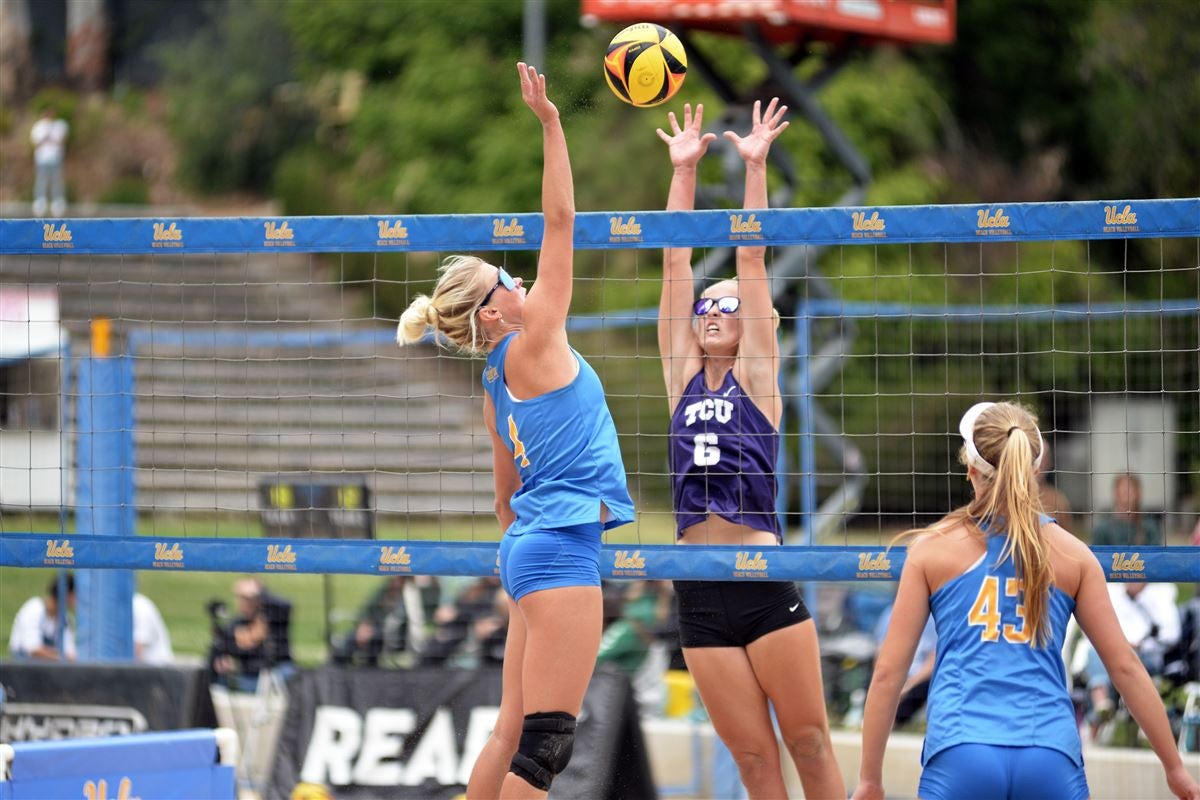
{"points": [[504, 280], [726, 305]]}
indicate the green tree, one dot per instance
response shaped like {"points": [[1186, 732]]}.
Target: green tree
{"points": [[226, 108]]}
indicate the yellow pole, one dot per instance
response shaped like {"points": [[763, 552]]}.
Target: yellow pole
{"points": [[101, 337]]}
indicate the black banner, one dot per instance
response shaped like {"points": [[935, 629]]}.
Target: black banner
{"points": [[363, 734], [47, 700], [327, 508]]}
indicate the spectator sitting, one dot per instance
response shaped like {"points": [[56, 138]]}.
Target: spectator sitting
{"points": [[35, 628], [1151, 624], [1127, 526], [641, 615], [151, 640], [393, 620], [476, 618], [258, 639]]}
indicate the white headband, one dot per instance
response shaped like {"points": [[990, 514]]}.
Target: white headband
{"points": [[966, 428]]}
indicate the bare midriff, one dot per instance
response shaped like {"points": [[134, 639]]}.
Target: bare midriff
{"points": [[718, 530]]}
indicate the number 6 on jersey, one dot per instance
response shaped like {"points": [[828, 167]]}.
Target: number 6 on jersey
{"points": [[706, 453]]}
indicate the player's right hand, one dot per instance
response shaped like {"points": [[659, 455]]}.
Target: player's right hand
{"points": [[687, 144]]}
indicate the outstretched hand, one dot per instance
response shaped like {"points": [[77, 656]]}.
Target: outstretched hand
{"points": [[753, 148], [686, 144], [533, 92]]}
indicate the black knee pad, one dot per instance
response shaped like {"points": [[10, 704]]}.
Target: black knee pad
{"points": [[547, 738]]}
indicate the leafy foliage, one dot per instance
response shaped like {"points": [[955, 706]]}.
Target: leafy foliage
{"points": [[226, 110], [378, 106]]}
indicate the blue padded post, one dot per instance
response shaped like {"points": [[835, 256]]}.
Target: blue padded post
{"points": [[105, 503]]}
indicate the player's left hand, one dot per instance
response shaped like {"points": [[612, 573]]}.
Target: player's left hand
{"points": [[766, 127]]}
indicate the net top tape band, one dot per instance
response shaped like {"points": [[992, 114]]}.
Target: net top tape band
{"points": [[608, 230]]}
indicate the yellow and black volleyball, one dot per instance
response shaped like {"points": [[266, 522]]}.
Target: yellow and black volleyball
{"points": [[645, 64]]}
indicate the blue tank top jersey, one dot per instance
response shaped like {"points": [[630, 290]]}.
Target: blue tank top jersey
{"points": [[723, 456], [990, 686], [565, 447]]}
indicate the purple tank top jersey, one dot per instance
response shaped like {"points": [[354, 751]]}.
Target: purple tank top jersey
{"points": [[723, 455]]}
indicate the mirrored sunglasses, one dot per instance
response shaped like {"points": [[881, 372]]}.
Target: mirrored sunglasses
{"points": [[504, 280], [726, 305]]}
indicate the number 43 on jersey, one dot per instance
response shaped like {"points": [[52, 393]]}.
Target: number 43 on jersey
{"points": [[985, 611]]}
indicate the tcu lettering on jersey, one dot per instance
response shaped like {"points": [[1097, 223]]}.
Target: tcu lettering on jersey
{"points": [[707, 409]]}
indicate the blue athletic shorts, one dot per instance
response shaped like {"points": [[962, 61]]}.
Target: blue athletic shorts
{"points": [[550, 559], [997, 772]]}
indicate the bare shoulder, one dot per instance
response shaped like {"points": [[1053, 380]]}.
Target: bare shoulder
{"points": [[944, 553], [1064, 541], [1070, 557]]}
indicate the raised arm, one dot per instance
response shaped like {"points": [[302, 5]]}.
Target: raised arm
{"points": [[549, 300], [1094, 610], [677, 343], [891, 666], [757, 367]]}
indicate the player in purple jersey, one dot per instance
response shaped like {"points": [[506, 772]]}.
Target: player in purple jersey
{"points": [[747, 643], [1001, 580]]}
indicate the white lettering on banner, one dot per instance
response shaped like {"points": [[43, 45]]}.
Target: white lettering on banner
{"points": [[381, 742], [336, 735], [436, 755], [479, 728], [345, 749]]}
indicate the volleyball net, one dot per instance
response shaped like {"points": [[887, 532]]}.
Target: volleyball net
{"points": [[226, 394]]}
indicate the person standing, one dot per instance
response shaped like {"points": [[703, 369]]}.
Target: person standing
{"points": [[1002, 580], [49, 138]]}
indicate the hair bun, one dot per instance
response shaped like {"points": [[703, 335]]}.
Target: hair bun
{"points": [[416, 319]]}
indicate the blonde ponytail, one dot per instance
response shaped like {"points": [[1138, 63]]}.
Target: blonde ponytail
{"points": [[420, 316], [1016, 498], [1006, 436], [451, 310]]}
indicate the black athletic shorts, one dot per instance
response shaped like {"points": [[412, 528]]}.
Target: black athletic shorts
{"points": [[735, 613]]}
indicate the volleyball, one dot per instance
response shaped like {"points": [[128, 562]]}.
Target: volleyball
{"points": [[645, 64]]}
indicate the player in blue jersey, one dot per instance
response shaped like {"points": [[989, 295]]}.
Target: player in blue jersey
{"points": [[749, 645], [559, 477], [1001, 580]]}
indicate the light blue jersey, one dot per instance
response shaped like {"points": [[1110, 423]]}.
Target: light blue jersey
{"points": [[990, 685], [564, 445]]}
